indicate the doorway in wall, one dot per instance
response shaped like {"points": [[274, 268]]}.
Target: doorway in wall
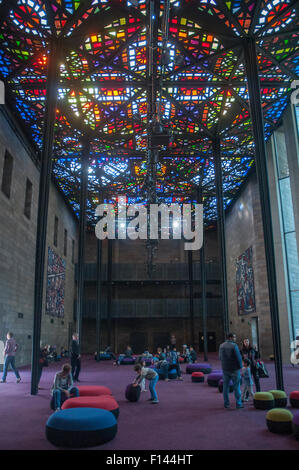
{"points": [[161, 340], [138, 341], [211, 341]]}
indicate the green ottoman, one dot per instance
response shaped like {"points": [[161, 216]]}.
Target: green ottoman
{"points": [[263, 401], [279, 421], [280, 398]]}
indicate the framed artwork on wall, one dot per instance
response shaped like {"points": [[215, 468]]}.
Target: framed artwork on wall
{"points": [[245, 283], [55, 285]]}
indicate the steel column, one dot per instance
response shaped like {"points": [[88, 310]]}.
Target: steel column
{"points": [[43, 203], [203, 278], [262, 175], [221, 230], [82, 233], [109, 291], [191, 298], [99, 295]]}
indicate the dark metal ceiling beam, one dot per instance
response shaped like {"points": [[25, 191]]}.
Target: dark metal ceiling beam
{"points": [[282, 67], [211, 24], [294, 4]]}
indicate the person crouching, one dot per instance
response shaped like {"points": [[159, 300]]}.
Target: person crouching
{"points": [[149, 374]]}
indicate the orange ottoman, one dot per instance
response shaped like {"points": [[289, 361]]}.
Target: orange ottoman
{"points": [[105, 402], [93, 390]]}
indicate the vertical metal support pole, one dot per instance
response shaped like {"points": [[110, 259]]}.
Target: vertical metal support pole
{"points": [[43, 203], [203, 277], [204, 298], [221, 230], [262, 175], [99, 295], [109, 291], [191, 299], [82, 233]]}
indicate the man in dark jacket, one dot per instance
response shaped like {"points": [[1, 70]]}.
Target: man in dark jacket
{"points": [[75, 358], [231, 362]]}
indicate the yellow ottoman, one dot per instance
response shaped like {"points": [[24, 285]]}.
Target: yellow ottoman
{"points": [[263, 401], [279, 421], [280, 398]]}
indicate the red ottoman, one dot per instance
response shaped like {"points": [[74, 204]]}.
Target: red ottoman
{"points": [[93, 390], [105, 402], [198, 377], [294, 399]]}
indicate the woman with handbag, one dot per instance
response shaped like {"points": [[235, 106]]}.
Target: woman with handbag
{"points": [[248, 352]]}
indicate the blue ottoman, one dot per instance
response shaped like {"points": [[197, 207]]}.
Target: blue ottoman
{"points": [[104, 356], [214, 378], [172, 374], [133, 393], [220, 386], [81, 427], [127, 361], [205, 368], [162, 376]]}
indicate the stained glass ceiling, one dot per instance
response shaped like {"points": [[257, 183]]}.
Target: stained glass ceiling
{"points": [[104, 79]]}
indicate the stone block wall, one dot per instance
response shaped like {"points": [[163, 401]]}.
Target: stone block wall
{"points": [[17, 250], [243, 228]]}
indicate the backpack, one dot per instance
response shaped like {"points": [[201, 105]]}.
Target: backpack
{"points": [[262, 370]]}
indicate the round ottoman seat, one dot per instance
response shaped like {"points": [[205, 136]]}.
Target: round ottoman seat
{"points": [[294, 399], [172, 374], [214, 378], [127, 361], [220, 386], [105, 402], [133, 393], [104, 356], [160, 373], [198, 377], [81, 427], [263, 400], [296, 424], [205, 368], [93, 390], [197, 367], [279, 421], [280, 398]]}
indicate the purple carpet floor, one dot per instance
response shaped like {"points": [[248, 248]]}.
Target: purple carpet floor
{"points": [[190, 416]]}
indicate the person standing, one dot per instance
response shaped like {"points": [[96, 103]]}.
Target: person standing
{"points": [[173, 363], [248, 352], [10, 350], [75, 358], [172, 341], [247, 379], [231, 361]]}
